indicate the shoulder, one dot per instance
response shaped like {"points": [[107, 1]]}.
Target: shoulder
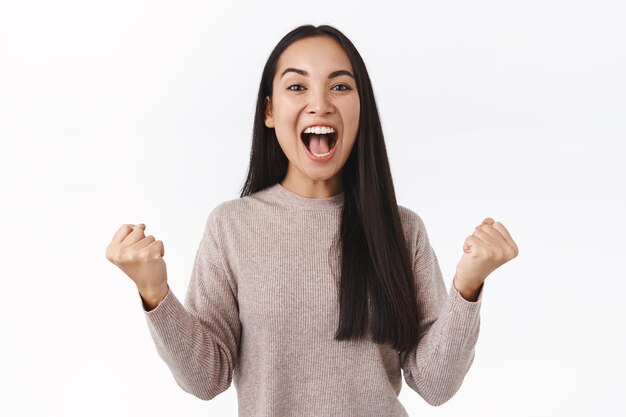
{"points": [[234, 211], [416, 236], [412, 222], [227, 211]]}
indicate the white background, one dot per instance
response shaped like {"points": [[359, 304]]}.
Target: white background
{"points": [[117, 112]]}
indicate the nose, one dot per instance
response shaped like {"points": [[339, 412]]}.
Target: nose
{"points": [[320, 103]]}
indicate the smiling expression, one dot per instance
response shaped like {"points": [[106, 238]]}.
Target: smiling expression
{"points": [[314, 85]]}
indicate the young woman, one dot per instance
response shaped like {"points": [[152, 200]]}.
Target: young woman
{"points": [[314, 289]]}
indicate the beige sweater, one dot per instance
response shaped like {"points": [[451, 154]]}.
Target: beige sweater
{"points": [[261, 310]]}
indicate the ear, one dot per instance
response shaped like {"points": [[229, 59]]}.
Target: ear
{"points": [[269, 120]]}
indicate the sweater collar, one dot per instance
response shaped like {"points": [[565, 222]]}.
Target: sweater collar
{"points": [[295, 200]]}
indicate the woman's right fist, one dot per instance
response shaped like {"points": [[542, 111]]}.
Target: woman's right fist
{"points": [[141, 258]]}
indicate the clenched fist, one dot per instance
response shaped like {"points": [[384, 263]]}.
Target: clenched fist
{"points": [[488, 248], [141, 258]]}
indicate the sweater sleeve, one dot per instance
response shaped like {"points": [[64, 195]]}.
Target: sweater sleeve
{"points": [[199, 340], [448, 330]]}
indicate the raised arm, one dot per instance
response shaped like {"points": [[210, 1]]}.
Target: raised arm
{"points": [[199, 341], [448, 330]]}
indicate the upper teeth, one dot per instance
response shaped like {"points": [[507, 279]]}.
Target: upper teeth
{"points": [[318, 130]]}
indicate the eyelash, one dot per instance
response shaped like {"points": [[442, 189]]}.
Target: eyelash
{"points": [[344, 85]]}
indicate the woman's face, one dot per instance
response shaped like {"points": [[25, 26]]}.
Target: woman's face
{"points": [[314, 85]]}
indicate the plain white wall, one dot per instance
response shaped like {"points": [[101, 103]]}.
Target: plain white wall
{"points": [[132, 111]]}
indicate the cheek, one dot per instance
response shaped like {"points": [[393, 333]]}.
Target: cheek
{"points": [[284, 135], [352, 113], [351, 121], [284, 108]]}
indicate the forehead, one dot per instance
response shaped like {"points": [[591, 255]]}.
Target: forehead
{"points": [[317, 55]]}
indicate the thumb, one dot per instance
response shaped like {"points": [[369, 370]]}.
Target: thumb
{"points": [[466, 247]]}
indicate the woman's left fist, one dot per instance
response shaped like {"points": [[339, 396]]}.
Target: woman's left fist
{"points": [[489, 247]]}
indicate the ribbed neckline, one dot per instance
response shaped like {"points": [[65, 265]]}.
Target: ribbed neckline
{"points": [[292, 199]]}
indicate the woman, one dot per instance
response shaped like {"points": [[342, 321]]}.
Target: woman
{"points": [[315, 288]]}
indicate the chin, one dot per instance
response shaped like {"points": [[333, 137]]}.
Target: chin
{"points": [[319, 174]]}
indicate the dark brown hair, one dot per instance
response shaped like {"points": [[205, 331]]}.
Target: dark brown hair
{"points": [[376, 267]]}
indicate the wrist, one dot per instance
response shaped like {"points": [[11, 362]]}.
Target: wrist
{"points": [[468, 291], [152, 297]]}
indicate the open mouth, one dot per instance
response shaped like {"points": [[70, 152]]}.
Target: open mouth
{"points": [[319, 144]]}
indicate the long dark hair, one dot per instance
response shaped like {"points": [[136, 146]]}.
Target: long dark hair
{"points": [[376, 267]]}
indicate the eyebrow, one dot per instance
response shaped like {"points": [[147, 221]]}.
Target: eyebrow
{"points": [[303, 72]]}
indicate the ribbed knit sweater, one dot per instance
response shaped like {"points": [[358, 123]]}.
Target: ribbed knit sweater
{"points": [[261, 309]]}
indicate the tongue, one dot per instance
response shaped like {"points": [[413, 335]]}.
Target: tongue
{"points": [[319, 143]]}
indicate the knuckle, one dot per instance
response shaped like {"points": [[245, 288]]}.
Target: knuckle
{"points": [[142, 256], [114, 255], [124, 259], [511, 252], [131, 256]]}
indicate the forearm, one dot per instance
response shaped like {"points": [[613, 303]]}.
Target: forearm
{"points": [[436, 367], [199, 353]]}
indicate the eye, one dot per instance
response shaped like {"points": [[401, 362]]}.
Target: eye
{"points": [[338, 85], [343, 85]]}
